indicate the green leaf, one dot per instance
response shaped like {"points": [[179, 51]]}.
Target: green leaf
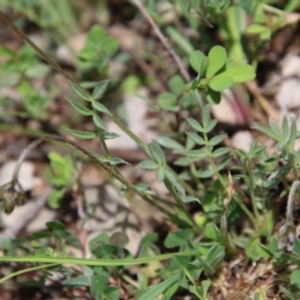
{"points": [[98, 283], [212, 96], [111, 293], [178, 238], [215, 255], [100, 107], [205, 115], [241, 73], [296, 247], [194, 124], [98, 122], [100, 157], [295, 277], [189, 199], [263, 251], [217, 57], [220, 151], [171, 290], [148, 165], [82, 134], [100, 89], [77, 281], [119, 239], [246, 5], [6, 52], [216, 140], [206, 173], [160, 174], [154, 291], [80, 92], [211, 231], [211, 125], [37, 71], [256, 29], [178, 262], [55, 225], [117, 161], [143, 187], [196, 138], [176, 84], [79, 108], [95, 34], [56, 195], [156, 153], [169, 143], [40, 235], [182, 161], [109, 135], [199, 153], [224, 162], [168, 101], [221, 82], [198, 61]]}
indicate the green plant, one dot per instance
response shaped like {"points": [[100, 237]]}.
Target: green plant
{"points": [[195, 264]]}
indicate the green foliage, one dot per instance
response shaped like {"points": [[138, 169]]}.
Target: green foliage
{"points": [[203, 164], [18, 69], [60, 175], [217, 73], [97, 51]]}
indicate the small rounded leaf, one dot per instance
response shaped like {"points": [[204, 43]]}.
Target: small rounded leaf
{"points": [[221, 82], [241, 73], [217, 57], [198, 61]]}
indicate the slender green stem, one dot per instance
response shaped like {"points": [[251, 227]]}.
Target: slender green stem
{"points": [[135, 138], [93, 261], [171, 189], [14, 274], [251, 187]]}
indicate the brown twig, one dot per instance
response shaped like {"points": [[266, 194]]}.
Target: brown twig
{"points": [[163, 40]]}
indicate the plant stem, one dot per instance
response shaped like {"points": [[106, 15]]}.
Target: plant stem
{"points": [[135, 138], [163, 40], [93, 158], [94, 262], [251, 187], [171, 189]]}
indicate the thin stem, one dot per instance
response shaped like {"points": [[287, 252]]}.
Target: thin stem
{"points": [[251, 187], [163, 40], [135, 138], [170, 188], [14, 274], [93, 158], [94, 262]]}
